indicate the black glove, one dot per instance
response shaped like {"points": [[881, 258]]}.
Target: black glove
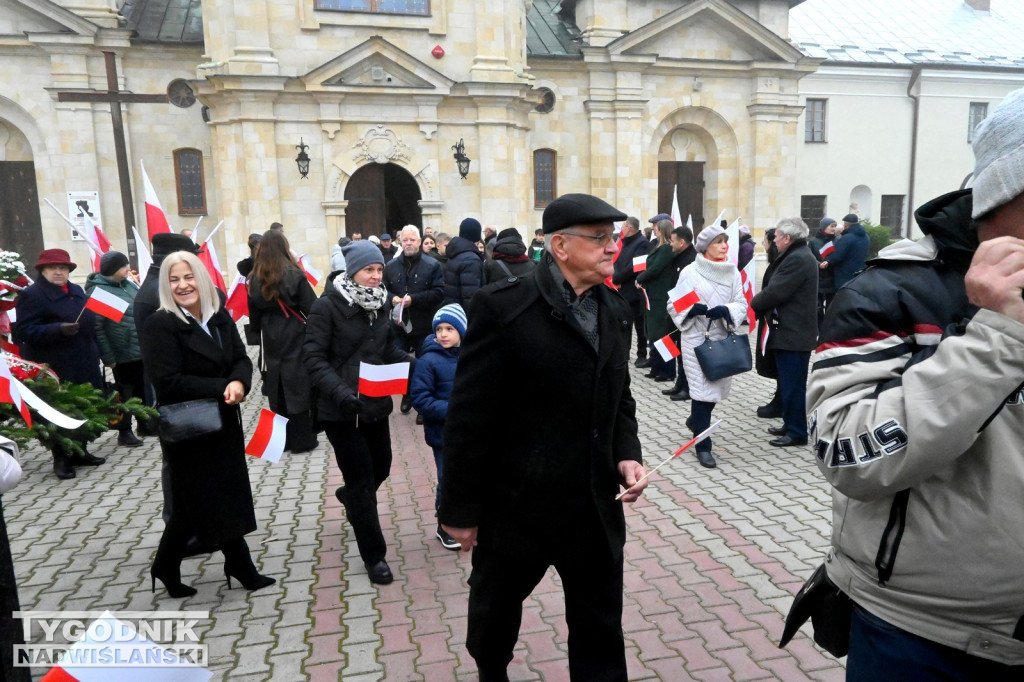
{"points": [[697, 309], [68, 328], [352, 405], [720, 312]]}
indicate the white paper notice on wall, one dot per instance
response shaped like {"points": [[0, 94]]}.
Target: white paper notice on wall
{"points": [[79, 202]]}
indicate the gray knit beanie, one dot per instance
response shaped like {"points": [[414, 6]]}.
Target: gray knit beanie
{"points": [[706, 236], [360, 254], [999, 155]]}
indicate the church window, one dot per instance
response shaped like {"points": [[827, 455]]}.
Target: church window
{"points": [[892, 214], [812, 209], [547, 101], [420, 7], [544, 177], [814, 124], [978, 113], [188, 176]]}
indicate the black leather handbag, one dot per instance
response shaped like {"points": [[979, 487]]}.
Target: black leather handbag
{"points": [[193, 418], [726, 357]]}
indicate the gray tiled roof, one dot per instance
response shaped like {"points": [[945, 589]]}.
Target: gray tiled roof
{"points": [[910, 32], [165, 21], [548, 35]]}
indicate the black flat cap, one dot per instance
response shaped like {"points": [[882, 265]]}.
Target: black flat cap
{"points": [[167, 243], [579, 209]]}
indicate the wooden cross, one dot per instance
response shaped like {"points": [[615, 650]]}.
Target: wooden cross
{"points": [[114, 96]]}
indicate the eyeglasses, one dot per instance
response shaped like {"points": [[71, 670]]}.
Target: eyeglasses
{"points": [[601, 239]]}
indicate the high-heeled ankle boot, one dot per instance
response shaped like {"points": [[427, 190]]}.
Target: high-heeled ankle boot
{"points": [[238, 565], [167, 569]]}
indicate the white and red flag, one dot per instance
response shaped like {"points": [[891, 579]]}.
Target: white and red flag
{"points": [[667, 348], [94, 237], [208, 257], [827, 248], [268, 440], [677, 217], [9, 392], [640, 263], [378, 381], [104, 303], [113, 651], [156, 218], [142, 253], [682, 297], [238, 299], [312, 274]]}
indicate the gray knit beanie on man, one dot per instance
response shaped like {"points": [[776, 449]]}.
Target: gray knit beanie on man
{"points": [[360, 254], [999, 156]]}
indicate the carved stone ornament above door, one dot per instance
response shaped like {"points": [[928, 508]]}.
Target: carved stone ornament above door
{"points": [[381, 145]]}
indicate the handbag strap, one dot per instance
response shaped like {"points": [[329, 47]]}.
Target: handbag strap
{"points": [[730, 328]]}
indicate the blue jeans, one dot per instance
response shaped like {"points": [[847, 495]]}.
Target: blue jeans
{"points": [[439, 463], [881, 651], [792, 366]]}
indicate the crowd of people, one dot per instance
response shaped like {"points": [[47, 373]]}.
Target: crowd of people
{"points": [[914, 401]]}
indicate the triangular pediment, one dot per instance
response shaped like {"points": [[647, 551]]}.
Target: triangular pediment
{"points": [[20, 17], [708, 30], [377, 64]]}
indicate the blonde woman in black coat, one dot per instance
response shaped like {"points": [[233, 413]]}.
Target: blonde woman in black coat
{"points": [[192, 350]]}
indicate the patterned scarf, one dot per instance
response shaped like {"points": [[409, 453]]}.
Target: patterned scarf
{"points": [[369, 299]]}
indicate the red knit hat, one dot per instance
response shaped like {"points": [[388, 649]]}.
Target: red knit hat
{"points": [[54, 257]]}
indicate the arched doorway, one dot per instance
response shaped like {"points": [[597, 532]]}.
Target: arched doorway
{"points": [[382, 198], [21, 229]]}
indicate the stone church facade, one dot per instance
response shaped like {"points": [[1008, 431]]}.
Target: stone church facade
{"points": [[625, 100]]}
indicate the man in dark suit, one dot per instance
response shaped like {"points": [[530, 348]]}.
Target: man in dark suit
{"points": [[787, 304], [632, 244], [547, 496]]}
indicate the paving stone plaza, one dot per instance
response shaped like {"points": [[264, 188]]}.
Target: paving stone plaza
{"points": [[712, 559]]}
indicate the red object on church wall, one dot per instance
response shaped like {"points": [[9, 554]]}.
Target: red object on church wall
{"points": [[438, 52]]}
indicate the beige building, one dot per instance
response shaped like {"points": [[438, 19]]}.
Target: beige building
{"points": [[621, 99]]}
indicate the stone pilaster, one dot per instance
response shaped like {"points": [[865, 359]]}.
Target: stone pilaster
{"points": [[237, 39], [772, 162]]}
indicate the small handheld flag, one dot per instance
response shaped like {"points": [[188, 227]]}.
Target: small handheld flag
{"points": [[686, 446], [267, 441], [378, 381], [109, 305], [640, 263], [682, 297], [238, 299], [826, 249], [666, 348], [312, 274]]}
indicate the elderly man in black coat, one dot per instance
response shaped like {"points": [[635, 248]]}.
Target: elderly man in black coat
{"points": [[547, 496], [787, 308], [632, 245]]}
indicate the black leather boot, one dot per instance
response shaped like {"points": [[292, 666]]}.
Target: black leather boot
{"points": [[62, 467], [238, 565]]}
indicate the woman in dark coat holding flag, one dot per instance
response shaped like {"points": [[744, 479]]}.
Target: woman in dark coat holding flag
{"points": [[280, 298], [656, 280], [53, 327], [347, 326], [192, 351]]}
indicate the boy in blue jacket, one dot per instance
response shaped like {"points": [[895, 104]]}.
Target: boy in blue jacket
{"points": [[431, 387]]}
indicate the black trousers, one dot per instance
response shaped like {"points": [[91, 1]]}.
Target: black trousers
{"points": [[636, 307], [130, 384], [11, 633], [699, 421], [364, 457], [592, 580]]}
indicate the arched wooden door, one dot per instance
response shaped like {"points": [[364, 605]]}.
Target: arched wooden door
{"points": [[382, 198], [21, 228]]}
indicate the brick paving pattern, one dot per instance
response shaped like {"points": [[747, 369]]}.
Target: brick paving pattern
{"points": [[712, 559]]}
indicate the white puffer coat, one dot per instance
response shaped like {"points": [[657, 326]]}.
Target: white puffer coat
{"points": [[716, 283]]}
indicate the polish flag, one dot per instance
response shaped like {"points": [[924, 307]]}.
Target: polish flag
{"points": [[682, 298], [640, 263], [208, 256], [156, 218], [312, 274], [104, 303], [618, 252], [647, 301], [677, 217], [667, 348], [113, 651], [9, 392], [142, 253], [827, 248], [268, 440], [378, 381], [238, 299], [93, 235]]}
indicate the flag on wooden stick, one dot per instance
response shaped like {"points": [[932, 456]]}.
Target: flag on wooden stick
{"points": [[109, 305]]}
